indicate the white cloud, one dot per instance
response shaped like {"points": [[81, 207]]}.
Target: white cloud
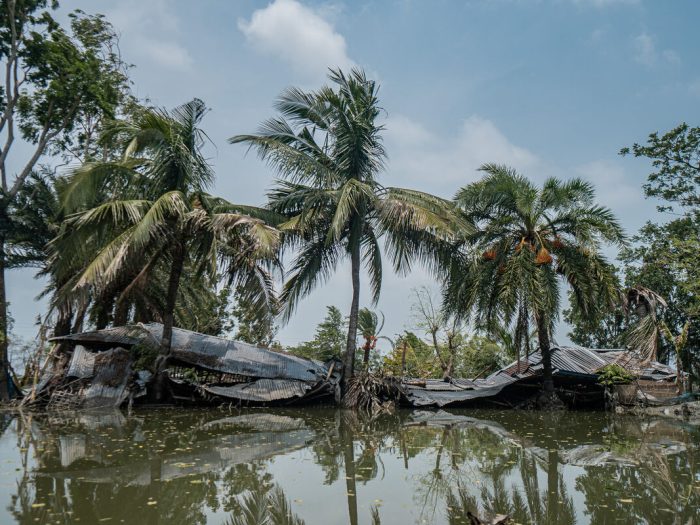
{"points": [[645, 52], [440, 164], [168, 54], [298, 35], [670, 56], [152, 31]]}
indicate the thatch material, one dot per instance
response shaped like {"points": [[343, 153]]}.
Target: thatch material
{"points": [[372, 393]]}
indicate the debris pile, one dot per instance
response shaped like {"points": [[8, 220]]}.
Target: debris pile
{"points": [[575, 373], [107, 368], [113, 367]]}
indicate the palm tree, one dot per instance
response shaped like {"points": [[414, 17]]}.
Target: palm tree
{"points": [[370, 326], [327, 147], [528, 239], [159, 219]]}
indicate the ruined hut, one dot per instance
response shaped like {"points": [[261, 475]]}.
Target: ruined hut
{"points": [[575, 373], [112, 367]]}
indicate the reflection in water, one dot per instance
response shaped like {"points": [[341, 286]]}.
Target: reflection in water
{"points": [[330, 466]]}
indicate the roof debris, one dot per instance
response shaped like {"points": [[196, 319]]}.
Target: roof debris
{"points": [[105, 368], [98, 369], [571, 366]]}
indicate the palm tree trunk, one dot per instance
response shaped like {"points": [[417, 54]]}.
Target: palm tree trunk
{"points": [[351, 347], [4, 332], [178, 256], [347, 440], [171, 297], [121, 312], [553, 485], [63, 322], [545, 350]]}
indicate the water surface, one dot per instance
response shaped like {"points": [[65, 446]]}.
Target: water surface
{"points": [[327, 466]]}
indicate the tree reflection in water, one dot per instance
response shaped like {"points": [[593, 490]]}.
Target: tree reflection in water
{"points": [[212, 467]]}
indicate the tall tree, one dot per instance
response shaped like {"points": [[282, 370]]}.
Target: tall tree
{"points": [[442, 327], [527, 238], [370, 326], [327, 146], [675, 157], [329, 339], [251, 324], [52, 78], [160, 218], [664, 256]]}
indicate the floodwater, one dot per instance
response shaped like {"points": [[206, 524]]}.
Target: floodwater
{"points": [[327, 466]]}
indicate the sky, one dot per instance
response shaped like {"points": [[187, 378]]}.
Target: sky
{"points": [[550, 87]]}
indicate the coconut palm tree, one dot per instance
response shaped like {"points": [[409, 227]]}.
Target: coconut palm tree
{"points": [[370, 326], [159, 220], [529, 239], [327, 147]]}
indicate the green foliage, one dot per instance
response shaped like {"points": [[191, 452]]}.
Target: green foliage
{"points": [[606, 328], [369, 326], [420, 357], [529, 239], [61, 85], [327, 147], [614, 374], [251, 324], [72, 81], [200, 307], [664, 257], [479, 356], [329, 340], [142, 221], [675, 155], [35, 218], [145, 356], [262, 507]]}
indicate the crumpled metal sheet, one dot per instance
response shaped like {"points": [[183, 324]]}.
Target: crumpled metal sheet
{"points": [[420, 397], [82, 363], [212, 353], [262, 390], [235, 357], [107, 373], [577, 361], [117, 336], [112, 374]]}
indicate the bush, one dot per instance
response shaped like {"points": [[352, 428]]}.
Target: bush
{"points": [[614, 374]]}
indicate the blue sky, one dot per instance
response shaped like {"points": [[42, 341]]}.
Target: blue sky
{"points": [[551, 87]]}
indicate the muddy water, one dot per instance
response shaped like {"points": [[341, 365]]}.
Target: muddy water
{"points": [[325, 466]]}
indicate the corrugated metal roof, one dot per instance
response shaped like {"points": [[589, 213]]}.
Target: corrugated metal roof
{"points": [[213, 353], [565, 361], [576, 360], [262, 390], [82, 363], [419, 396], [119, 335]]}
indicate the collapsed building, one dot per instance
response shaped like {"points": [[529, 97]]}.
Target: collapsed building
{"points": [[113, 367], [575, 373]]}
